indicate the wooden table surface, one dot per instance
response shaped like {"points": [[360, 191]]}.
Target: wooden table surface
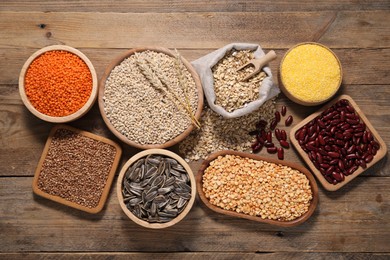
{"points": [[353, 222]]}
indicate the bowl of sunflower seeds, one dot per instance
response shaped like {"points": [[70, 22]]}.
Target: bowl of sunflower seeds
{"points": [[156, 188]]}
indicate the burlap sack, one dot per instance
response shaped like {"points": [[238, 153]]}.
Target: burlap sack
{"points": [[203, 65]]}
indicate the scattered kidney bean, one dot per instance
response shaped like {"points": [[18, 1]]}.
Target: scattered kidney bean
{"points": [[283, 135], [273, 124], [280, 153], [277, 134], [277, 116], [338, 142], [272, 149], [289, 121], [284, 144], [284, 110]]}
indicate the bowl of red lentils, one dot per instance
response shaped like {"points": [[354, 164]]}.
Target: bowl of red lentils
{"points": [[58, 84], [310, 74]]}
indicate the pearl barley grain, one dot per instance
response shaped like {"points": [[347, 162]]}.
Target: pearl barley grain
{"points": [[140, 111]]}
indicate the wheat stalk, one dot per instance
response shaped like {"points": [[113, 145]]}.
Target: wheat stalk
{"points": [[159, 84], [184, 86]]}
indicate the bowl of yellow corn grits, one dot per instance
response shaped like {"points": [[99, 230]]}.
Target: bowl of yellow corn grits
{"points": [[310, 74]]}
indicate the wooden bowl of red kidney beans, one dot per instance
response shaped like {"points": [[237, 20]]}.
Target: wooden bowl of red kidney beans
{"points": [[338, 143]]}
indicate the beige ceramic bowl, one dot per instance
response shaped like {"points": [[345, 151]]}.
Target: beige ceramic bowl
{"points": [[122, 175], [305, 76], [83, 110], [117, 133]]}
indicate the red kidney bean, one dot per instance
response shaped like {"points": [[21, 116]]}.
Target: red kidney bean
{"points": [[368, 158], [351, 156], [321, 140], [362, 163], [260, 139], [273, 124], [321, 123], [375, 144], [340, 142], [341, 165], [333, 130], [350, 109], [329, 179], [313, 136], [330, 170], [302, 134], [351, 170], [284, 144], [283, 135], [269, 136], [334, 121], [342, 115], [334, 154], [324, 165], [319, 157], [347, 135], [272, 149], [268, 144], [334, 161], [277, 116], [338, 176], [289, 121], [310, 147], [284, 110], [369, 136], [280, 153], [256, 148], [277, 134]]}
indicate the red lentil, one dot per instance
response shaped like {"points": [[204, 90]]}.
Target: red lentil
{"points": [[58, 83]]}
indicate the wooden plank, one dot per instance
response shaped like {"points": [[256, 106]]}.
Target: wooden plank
{"points": [[140, 6], [23, 136], [360, 66], [354, 219], [194, 255], [194, 30]]}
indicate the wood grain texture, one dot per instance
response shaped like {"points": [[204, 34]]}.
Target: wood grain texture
{"points": [[343, 29], [23, 136], [196, 255], [43, 225], [360, 66], [352, 223], [140, 6]]}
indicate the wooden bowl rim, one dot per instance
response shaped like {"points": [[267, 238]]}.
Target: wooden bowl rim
{"points": [[110, 176], [144, 223], [330, 187], [123, 138], [302, 169], [296, 99], [64, 119]]}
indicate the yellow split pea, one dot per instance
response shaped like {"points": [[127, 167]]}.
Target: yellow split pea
{"points": [[311, 73]]}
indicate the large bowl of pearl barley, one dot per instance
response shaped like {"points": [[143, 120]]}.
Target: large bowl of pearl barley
{"points": [[150, 97]]}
